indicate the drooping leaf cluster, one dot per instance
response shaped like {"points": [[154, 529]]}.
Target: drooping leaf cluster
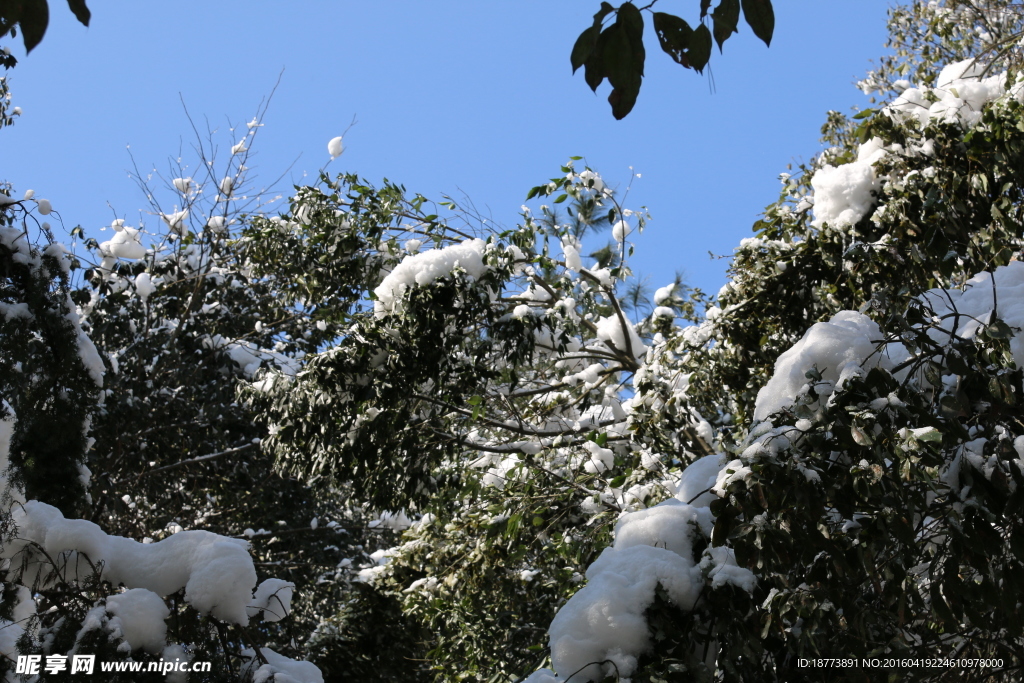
{"points": [[616, 51], [32, 17]]}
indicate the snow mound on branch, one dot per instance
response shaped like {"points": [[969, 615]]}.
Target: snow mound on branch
{"points": [[250, 357], [126, 243], [281, 669], [603, 624], [426, 267], [850, 343], [836, 349], [959, 93], [843, 194], [985, 297], [605, 619], [274, 598], [697, 480], [612, 330], [216, 572], [139, 614]]}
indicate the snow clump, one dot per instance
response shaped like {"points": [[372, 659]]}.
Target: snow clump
{"points": [[959, 96], [836, 349], [426, 267], [335, 148], [126, 243], [843, 194]]}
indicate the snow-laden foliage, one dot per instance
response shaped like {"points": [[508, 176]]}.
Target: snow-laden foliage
{"points": [[425, 448], [514, 409]]}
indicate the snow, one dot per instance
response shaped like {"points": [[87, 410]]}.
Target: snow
{"points": [[216, 572], [620, 230], [274, 598], [610, 330], [87, 351], [335, 148], [654, 547], [182, 185], [125, 243], [250, 357], [44, 206], [984, 297], [139, 614], [424, 268], [176, 221], [605, 619], [571, 249], [543, 676], [843, 194], [843, 343], [144, 286], [668, 525], [283, 669], [697, 480], [216, 224], [663, 294], [959, 96]]}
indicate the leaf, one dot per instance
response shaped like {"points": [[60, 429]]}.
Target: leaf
{"points": [[35, 16], [863, 114], [81, 12], [725, 19], [705, 5], [674, 35], [623, 59], [997, 329], [584, 47], [587, 50], [700, 48], [594, 68], [761, 18]]}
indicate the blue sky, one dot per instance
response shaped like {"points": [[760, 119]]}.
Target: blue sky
{"points": [[450, 97]]}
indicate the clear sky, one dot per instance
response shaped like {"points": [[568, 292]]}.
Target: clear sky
{"points": [[450, 97]]}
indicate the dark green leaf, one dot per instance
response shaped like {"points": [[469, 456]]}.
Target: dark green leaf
{"points": [[725, 19], [622, 56], [35, 16], [700, 48], [761, 18], [997, 329], [561, 198], [80, 10], [674, 35], [584, 47], [705, 5], [863, 114]]}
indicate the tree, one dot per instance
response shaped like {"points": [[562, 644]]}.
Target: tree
{"points": [[838, 432], [488, 468]]}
